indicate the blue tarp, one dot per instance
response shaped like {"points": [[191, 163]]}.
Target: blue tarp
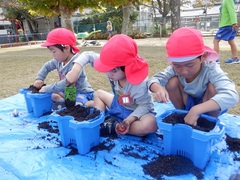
{"points": [[27, 152]]}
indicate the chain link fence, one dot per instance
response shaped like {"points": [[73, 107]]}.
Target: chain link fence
{"points": [[12, 38], [208, 25]]}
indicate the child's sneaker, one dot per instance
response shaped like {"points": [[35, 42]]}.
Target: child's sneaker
{"points": [[108, 127], [232, 60]]}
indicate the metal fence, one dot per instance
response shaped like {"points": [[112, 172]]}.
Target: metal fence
{"points": [[90, 27], [11, 38], [206, 24]]}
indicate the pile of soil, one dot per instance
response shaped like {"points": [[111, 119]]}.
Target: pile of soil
{"points": [[49, 126], [80, 113], [202, 123], [171, 166], [233, 143]]}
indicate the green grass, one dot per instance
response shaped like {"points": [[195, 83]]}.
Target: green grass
{"points": [[19, 68]]}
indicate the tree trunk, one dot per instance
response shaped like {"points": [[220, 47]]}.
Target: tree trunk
{"points": [[175, 14], [47, 22], [33, 25], [66, 17], [127, 10], [163, 9], [66, 21]]}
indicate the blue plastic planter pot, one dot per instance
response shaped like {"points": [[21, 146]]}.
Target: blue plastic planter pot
{"points": [[82, 135], [67, 135], [41, 103], [38, 103], [183, 140], [24, 91]]}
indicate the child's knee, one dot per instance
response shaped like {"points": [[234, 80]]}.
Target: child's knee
{"points": [[172, 84], [57, 97], [210, 92], [97, 93]]}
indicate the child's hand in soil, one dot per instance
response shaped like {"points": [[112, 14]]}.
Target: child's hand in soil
{"points": [[42, 89], [122, 128], [38, 83], [191, 118]]}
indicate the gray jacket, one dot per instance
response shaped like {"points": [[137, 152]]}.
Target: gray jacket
{"points": [[82, 85]]}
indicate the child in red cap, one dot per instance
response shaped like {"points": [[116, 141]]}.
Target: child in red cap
{"points": [[62, 44], [193, 81], [131, 102]]}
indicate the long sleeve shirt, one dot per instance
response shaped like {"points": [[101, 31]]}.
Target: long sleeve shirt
{"points": [[82, 85], [141, 100], [226, 96]]}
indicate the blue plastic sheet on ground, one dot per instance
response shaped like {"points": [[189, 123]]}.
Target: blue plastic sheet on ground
{"points": [[27, 152]]}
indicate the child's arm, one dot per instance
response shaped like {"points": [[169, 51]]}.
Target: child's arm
{"points": [[157, 82], [72, 76], [160, 93], [87, 57], [43, 72], [226, 95], [194, 113]]}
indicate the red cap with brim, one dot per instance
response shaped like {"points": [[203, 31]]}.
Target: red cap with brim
{"points": [[186, 44], [61, 36], [121, 50]]}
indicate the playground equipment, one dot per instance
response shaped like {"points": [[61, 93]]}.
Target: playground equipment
{"points": [[84, 35]]}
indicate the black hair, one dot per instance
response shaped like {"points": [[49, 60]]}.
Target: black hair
{"points": [[199, 57], [122, 68], [61, 47]]}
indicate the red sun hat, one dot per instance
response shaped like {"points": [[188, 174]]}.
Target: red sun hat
{"points": [[61, 36], [121, 50], [186, 44]]}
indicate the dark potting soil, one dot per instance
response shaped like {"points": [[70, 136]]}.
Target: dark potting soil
{"points": [[49, 126], [233, 143], [171, 166], [69, 103], [80, 113], [202, 123], [34, 89]]}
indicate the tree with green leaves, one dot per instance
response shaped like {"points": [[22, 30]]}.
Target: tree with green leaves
{"points": [[63, 8], [14, 11], [66, 8], [203, 3], [115, 15], [127, 9]]}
